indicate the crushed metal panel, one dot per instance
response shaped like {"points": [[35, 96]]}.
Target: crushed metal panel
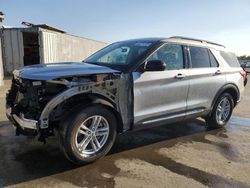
{"points": [[118, 91], [103, 88], [12, 50], [48, 47], [125, 100]]}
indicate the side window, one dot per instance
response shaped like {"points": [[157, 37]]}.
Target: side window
{"points": [[199, 57], [230, 58], [171, 55], [213, 61]]}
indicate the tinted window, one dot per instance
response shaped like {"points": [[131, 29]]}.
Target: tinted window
{"points": [[213, 61], [199, 57], [230, 58], [171, 55]]}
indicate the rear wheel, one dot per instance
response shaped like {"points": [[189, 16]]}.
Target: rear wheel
{"points": [[221, 112], [88, 134]]}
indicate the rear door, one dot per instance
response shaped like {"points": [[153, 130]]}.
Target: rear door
{"points": [[161, 95], [206, 78]]}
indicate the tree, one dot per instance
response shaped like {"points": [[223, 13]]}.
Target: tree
{"points": [[244, 57]]}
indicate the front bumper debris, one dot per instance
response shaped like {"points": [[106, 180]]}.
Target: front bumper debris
{"points": [[21, 122]]}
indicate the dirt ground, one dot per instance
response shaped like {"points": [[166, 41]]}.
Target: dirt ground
{"points": [[177, 155]]}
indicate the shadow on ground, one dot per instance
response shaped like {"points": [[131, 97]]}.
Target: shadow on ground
{"points": [[24, 159]]}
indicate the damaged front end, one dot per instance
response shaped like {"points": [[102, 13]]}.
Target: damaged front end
{"points": [[25, 101], [36, 107]]}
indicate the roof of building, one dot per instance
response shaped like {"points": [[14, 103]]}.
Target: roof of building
{"points": [[49, 27], [44, 26]]}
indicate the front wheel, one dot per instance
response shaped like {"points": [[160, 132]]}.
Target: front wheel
{"points": [[88, 134], [221, 112]]}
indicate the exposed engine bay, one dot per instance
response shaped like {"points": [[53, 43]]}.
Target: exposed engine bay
{"points": [[45, 102]]}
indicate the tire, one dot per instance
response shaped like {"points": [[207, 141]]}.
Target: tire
{"points": [[215, 120], [72, 134]]}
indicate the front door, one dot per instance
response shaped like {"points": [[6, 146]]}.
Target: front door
{"points": [[161, 95]]}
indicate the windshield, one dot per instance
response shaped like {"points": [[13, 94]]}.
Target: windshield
{"points": [[120, 53]]}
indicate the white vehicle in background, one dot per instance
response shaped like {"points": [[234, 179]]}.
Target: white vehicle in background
{"points": [[247, 66]]}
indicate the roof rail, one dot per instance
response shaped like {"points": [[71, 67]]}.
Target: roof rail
{"points": [[199, 40]]}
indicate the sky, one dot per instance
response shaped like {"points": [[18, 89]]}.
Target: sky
{"points": [[222, 21]]}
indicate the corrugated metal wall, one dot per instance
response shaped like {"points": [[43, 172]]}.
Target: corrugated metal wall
{"points": [[61, 47], [1, 59], [12, 49], [48, 47], [53, 47]]}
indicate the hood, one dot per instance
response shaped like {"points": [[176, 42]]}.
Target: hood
{"points": [[56, 70]]}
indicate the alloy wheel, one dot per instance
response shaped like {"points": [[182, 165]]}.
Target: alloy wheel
{"points": [[223, 110], [92, 135]]}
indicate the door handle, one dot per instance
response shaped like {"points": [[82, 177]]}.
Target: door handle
{"points": [[179, 76], [217, 72]]}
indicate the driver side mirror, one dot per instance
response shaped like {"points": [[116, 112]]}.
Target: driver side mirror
{"points": [[155, 65]]}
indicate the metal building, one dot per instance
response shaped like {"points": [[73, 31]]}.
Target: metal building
{"points": [[1, 57], [43, 44]]}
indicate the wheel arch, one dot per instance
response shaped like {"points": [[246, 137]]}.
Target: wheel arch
{"points": [[230, 88], [105, 102], [88, 99]]}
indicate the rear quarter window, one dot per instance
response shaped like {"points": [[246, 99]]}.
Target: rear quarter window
{"points": [[213, 61], [230, 58]]}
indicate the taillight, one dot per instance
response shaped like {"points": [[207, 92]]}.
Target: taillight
{"points": [[243, 74]]}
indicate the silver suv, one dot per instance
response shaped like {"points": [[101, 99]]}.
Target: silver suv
{"points": [[125, 86]]}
